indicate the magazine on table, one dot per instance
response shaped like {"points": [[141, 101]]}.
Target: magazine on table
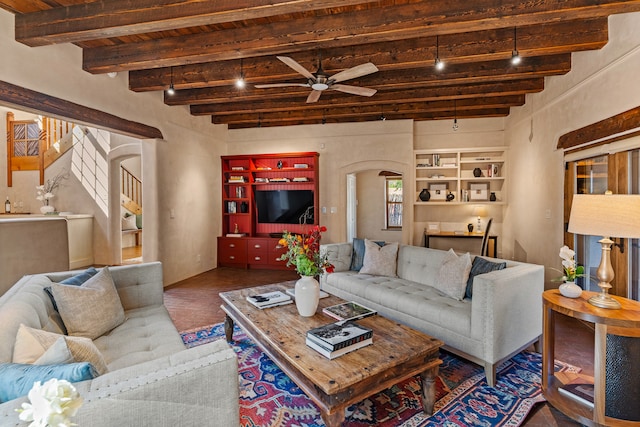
{"points": [[348, 311], [332, 354], [335, 336], [583, 393], [269, 299]]}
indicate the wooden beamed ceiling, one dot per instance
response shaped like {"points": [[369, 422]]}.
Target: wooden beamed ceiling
{"points": [[201, 48]]}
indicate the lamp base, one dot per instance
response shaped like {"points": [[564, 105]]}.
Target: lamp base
{"points": [[603, 300]]}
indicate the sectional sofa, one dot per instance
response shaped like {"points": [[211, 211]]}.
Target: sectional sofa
{"points": [[502, 316]]}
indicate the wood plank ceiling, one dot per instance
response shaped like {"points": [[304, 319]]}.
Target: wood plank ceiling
{"points": [[201, 47]]}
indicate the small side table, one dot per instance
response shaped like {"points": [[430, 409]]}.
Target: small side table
{"points": [[623, 322]]}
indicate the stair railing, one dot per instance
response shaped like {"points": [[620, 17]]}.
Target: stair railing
{"points": [[131, 186]]}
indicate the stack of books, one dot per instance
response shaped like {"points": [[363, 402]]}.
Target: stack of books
{"points": [[236, 178], [269, 299], [336, 339], [348, 311]]}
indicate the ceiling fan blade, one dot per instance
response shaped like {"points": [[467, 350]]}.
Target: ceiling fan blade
{"points": [[354, 90], [314, 96], [281, 85], [291, 63], [357, 71]]}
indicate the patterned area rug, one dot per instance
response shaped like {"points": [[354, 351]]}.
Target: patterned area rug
{"points": [[269, 398]]}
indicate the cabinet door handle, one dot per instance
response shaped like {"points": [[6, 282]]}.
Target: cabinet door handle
{"points": [[232, 245], [257, 246], [257, 258], [232, 257]]}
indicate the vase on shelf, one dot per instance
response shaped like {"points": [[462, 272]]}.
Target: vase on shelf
{"points": [[477, 172], [47, 209], [424, 195], [493, 197], [570, 290], [307, 291]]}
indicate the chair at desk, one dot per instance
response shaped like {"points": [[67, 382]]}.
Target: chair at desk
{"points": [[484, 249]]}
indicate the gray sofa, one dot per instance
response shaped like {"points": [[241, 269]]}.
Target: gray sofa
{"points": [[152, 380], [503, 317]]}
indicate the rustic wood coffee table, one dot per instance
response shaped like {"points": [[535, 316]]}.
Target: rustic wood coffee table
{"points": [[398, 352]]}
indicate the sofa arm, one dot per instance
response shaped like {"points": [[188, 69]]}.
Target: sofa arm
{"points": [[194, 387], [338, 254], [507, 309]]}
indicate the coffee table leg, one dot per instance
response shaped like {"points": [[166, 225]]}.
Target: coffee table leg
{"points": [[333, 420], [228, 328], [429, 389]]}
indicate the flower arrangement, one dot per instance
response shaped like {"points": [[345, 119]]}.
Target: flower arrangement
{"points": [[303, 251], [571, 270], [52, 404], [45, 191]]}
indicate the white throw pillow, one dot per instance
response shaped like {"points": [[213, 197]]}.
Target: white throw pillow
{"points": [[453, 274], [379, 260], [129, 223], [92, 309]]}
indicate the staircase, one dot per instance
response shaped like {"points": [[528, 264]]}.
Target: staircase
{"points": [[131, 191]]}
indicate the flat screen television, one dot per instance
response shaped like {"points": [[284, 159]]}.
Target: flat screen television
{"points": [[284, 206]]}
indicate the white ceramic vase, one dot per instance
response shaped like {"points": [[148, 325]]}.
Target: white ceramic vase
{"points": [[570, 290], [47, 209], [307, 295]]}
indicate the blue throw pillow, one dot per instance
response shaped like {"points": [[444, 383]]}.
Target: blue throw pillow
{"points": [[481, 266], [76, 280], [16, 379], [357, 258]]}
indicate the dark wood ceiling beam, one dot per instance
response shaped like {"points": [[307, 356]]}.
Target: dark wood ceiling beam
{"points": [[39, 103], [114, 18], [399, 22], [624, 123], [334, 100], [355, 111], [496, 112], [540, 40], [494, 71]]}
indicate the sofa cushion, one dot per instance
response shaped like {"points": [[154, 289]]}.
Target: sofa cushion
{"points": [[453, 274], [31, 344], [380, 260], [481, 266], [92, 309], [17, 379], [357, 258], [75, 280]]}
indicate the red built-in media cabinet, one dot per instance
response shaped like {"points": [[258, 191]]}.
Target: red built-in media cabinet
{"points": [[246, 242]]}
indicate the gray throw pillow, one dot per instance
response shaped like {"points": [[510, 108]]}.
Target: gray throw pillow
{"points": [[481, 266], [357, 258], [380, 260], [453, 274]]}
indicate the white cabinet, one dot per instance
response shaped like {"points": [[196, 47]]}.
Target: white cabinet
{"points": [[466, 176]]}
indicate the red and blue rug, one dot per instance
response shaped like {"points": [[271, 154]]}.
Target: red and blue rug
{"points": [[268, 398]]}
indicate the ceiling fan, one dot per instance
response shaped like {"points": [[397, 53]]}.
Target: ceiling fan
{"points": [[321, 81]]}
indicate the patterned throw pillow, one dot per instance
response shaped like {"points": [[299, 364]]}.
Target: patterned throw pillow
{"points": [[453, 274], [90, 310], [380, 261], [357, 258], [481, 266], [75, 280]]}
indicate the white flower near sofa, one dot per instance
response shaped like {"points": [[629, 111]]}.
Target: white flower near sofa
{"points": [[571, 272], [52, 404], [45, 192]]}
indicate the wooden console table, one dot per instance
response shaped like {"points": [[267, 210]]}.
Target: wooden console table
{"points": [[623, 322], [493, 248]]}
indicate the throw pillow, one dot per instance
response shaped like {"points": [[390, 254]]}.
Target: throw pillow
{"points": [[481, 266], [17, 379], [75, 280], [357, 257], [453, 274], [90, 310], [57, 354], [380, 261], [129, 223], [139, 221], [32, 345]]}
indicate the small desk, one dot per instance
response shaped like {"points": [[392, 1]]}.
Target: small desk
{"points": [[493, 248]]}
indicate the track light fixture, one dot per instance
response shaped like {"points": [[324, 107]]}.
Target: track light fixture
{"points": [[240, 83], [438, 63], [171, 91], [455, 116], [515, 55]]}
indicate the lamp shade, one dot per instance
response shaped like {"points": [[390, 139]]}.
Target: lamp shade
{"points": [[479, 211], [606, 215]]}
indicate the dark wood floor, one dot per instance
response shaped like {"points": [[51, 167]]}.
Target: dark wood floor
{"points": [[195, 302]]}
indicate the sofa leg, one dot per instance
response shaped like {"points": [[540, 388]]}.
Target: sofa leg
{"points": [[537, 346], [490, 373]]}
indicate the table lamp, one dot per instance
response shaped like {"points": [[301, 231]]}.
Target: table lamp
{"points": [[607, 215], [479, 211]]}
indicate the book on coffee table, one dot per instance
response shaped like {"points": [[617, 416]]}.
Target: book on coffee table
{"points": [[348, 311], [269, 299], [332, 354], [336, 336]]}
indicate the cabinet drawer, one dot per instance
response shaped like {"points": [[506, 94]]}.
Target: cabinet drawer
{"points": [[275, 253], [232, 251], [257, 251]]}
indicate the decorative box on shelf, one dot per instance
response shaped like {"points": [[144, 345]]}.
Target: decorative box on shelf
{"points": [[478, 192], [438, 191]]}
